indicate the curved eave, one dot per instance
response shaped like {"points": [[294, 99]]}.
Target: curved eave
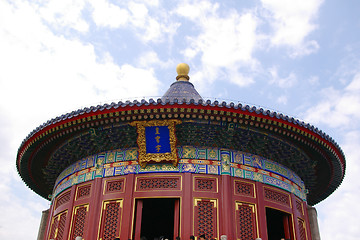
{"points": [[257, 118]]}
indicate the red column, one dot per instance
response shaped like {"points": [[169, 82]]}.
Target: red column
{"points": [[307, 222], [95, 206], [261, 210], [227, 208], [69, 213], [176, 218], [139, 207], [286, 223], [296, 214], [187, 208], [128, 205]]}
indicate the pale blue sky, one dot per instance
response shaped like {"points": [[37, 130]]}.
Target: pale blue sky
{"points": [[299, 57]]}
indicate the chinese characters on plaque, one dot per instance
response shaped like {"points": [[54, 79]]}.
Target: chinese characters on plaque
{"points": [[156, 141]]}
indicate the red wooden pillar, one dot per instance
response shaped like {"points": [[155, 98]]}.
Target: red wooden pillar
{"points": [[286, 223], [68, 214], [187, 208], [95, 209], [139, 207], [261, 210], [227, 208], [128, 211], [296, 215], [176, 218]]}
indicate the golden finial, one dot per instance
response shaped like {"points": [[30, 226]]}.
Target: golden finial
{"points": [[182, 70]]}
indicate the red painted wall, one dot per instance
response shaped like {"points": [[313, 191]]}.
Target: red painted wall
{"points": [[232, 206]]}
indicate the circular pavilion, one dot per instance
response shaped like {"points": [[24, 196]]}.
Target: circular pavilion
{"points": [[179, 166]]}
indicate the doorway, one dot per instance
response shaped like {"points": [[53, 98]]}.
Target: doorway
{"points": [[157, 218], [278, 224]]}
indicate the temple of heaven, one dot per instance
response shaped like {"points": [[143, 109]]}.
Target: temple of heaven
{"points": [[179, 166]]}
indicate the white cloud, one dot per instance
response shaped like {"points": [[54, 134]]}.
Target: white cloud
{"points": [[282, 82], [153, 3], [339, 107], [139, 13], [354, 84], [155, 27], [338, 213], [224, 41], [17, 214], [225, 44], [106, 14], [228, 41], [132, 78], [151, 58], [64, 13], [42, 76], [197, 10], [239, 79], [304, 49], [64, 72], [282, 99], [292, 22], [313, 80], [150, 22]]}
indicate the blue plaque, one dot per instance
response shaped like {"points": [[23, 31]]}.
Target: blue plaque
{"points": [[157, 139]]}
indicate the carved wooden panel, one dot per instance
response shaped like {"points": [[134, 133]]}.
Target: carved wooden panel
{"points": [[83, 191], [79, 221], [205, 218], [275, 196], [58, 226], [244, 188], [61, 227], [114, 186], [302, 229], [53, 228], [205, 184], [299, 206], [110, 220], [158, 183], [245, 221], [62, 199]]}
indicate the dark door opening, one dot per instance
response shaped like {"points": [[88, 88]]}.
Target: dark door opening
{"points": [[157, 217], [278, 224]]}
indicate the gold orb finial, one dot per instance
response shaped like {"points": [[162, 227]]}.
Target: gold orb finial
{"points": [[182, 70]]}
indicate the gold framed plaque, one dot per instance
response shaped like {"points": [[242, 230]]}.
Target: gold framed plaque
{"points": [[156, 141]]}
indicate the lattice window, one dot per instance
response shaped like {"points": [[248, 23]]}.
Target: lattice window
{"points": [[278, 197], [158, 183], [205, 184], [79, 221], [58, 226], [302, 230], [61, 227], [244, 188], [299, 206], [64, 198], [115, 186], [111, 220], [83, 191], [246, 222], [53, 228], [205, 218]]}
